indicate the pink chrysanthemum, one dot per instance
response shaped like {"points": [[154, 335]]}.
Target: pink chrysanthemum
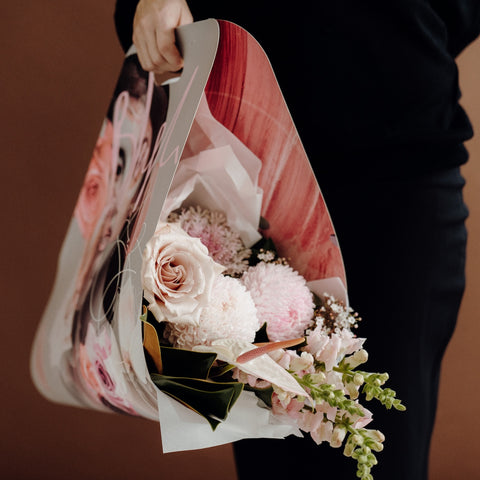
{"points": [[224, 245], [282, 298], [231, 313]]}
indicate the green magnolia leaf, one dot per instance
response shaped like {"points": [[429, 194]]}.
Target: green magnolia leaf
{"points": [[221, 372], [151, 345], [185, 363], [265, 243], [264, 394], [144, 315], [184, 375], [261, 334], [212, 400], [318, 302]]}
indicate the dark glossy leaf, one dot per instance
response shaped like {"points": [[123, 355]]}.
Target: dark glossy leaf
{"points": [[317, 300], [152, 346], [261, 335], [144, 315], [185, 363], [148, 317], [221, 372], [212, 400], [263, 224], [264, 394]]}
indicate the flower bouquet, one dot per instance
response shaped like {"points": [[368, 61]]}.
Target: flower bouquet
{"points": [[225, 314], [206, 289]]}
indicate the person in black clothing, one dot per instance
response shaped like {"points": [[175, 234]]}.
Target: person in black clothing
{"points": [[373, 90]]}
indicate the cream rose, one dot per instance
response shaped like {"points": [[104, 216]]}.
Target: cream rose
{"points": [[178, 275]]}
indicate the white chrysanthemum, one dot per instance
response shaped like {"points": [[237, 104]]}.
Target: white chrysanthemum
{"points": [[231, 313], [282, 298]]}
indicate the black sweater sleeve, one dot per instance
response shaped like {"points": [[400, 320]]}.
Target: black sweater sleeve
{"points": [[462, 21], [360, 104], [124, 13], [238, 11]]}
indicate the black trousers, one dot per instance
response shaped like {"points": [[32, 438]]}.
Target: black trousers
{"points": [[403, 243]]}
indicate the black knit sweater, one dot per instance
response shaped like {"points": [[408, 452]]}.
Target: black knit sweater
{"points": [[372, 85]]}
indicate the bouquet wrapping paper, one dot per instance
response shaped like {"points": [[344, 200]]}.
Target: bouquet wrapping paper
{"points": [[220, 136]]}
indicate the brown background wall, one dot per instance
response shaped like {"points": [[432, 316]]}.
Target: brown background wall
{"points": [[60, 62], [456, 446]]}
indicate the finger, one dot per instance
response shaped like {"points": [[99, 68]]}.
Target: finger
{"points": [[151, 59], [141, 44], [185, 17], [144, 57], [159, 63], [167, 48], [146, 61]]}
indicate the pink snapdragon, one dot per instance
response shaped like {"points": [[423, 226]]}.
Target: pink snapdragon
{"points": [[291, 408], [251, 380], [330, 349]]}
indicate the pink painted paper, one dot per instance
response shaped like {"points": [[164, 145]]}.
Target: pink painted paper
{"points": [[243, 94]]}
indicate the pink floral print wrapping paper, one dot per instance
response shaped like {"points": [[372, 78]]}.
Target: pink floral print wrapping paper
{"points": [[88, 349]]}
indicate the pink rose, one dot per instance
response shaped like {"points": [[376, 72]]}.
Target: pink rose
{"points": [[95, 190], [178, 275]]}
